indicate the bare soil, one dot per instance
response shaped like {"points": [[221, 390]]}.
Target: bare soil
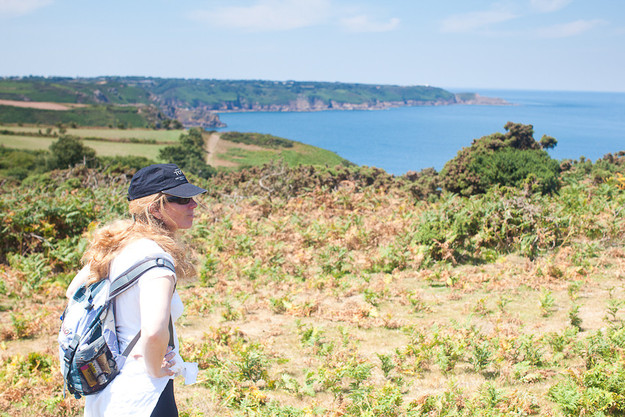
{"points": [[41, 105]]}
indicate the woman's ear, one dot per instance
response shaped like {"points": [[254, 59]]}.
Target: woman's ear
{"points": [[155, 211]]}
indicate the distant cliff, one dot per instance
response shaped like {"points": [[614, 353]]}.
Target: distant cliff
{"points": [[290, 96], [194, 117], [196, 102], [476, 99]]}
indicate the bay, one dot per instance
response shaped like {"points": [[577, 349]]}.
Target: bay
{"points": [[412, 138]]}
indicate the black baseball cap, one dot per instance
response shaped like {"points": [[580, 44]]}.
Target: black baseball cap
{"points": [[165, 178]]}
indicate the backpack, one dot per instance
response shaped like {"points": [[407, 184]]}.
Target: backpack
{"points": [[88, 347]]}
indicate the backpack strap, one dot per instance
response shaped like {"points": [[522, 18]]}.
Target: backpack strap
{"points": [[135, 339], [131, 345], [128, 279]]}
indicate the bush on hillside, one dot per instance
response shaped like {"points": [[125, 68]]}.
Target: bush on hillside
{"points": [[17, 164], [122, 164], [278, 179], [511, 159], [517, 168], [423, 184], [601, 171], [189, 155], [259, 139], [69, 151], [503, 219]]}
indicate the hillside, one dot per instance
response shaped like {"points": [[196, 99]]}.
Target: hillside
{"points": [[225, 151], [194, 102], [345, 291], [337, 293]]}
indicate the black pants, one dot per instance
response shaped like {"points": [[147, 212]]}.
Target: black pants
{"points": [[166, 405]]}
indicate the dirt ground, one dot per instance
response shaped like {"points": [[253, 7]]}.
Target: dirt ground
{"points": [[41, 105]]}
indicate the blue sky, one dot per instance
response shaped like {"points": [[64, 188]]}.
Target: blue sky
{"points": [[574, 45]]}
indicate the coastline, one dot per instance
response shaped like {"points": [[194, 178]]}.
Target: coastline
{"points": [[470, 99]]}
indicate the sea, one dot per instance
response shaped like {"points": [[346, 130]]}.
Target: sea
{"points": [[398, 140]]}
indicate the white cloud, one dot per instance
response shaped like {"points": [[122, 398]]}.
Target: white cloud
{"points": [[283, 15], [362, 23], [469, 22], [268, 15], [12, 8], [566, 30], [548, 6]]}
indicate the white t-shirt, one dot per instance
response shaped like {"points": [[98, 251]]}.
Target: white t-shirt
{"points": [[133, 392]]}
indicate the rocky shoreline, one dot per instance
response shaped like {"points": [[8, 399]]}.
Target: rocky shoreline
{"points": [[208, 117], [474, 99]]}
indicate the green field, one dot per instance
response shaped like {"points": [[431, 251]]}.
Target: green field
{"points": [[122, 149], [300, 154], [97, 115], [102, 148], [143, 134], [104, 133], [125, 142], [32, 143]]}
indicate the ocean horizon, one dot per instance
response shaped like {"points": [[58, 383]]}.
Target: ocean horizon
{"points": [[398, 140]]}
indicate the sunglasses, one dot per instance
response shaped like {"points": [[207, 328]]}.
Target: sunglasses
{"points": [[178, 200]]}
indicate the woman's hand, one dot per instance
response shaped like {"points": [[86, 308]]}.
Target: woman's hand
{"points": [[168, 361]]}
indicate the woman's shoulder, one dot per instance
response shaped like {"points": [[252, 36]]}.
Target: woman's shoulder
{"points": [[136, 251], [143, 245]]}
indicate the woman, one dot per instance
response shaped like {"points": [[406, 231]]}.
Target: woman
{"points": [[160, 203]]}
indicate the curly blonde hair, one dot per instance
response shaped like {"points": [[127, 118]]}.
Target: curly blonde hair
{"points": [[110, 239]]}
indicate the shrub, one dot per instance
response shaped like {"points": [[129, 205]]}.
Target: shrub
{"points": [[424, 183], [516, 168], [19, 164], [122, 164], [189, 155], [503, 219], [34, 222], [259, 139], [69, 151], [511, 159]]}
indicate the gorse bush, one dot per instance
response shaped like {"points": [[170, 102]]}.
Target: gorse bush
{"points": [[35, 223], [504, 219], [510, 159], [533, 169], [50, 213]]}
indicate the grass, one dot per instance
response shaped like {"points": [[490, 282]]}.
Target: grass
{"points": [[114, 142], [300, 154], [102, 148], [105, 133], [96, 115], [143, 134], [121, 149], [26, 142]]}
